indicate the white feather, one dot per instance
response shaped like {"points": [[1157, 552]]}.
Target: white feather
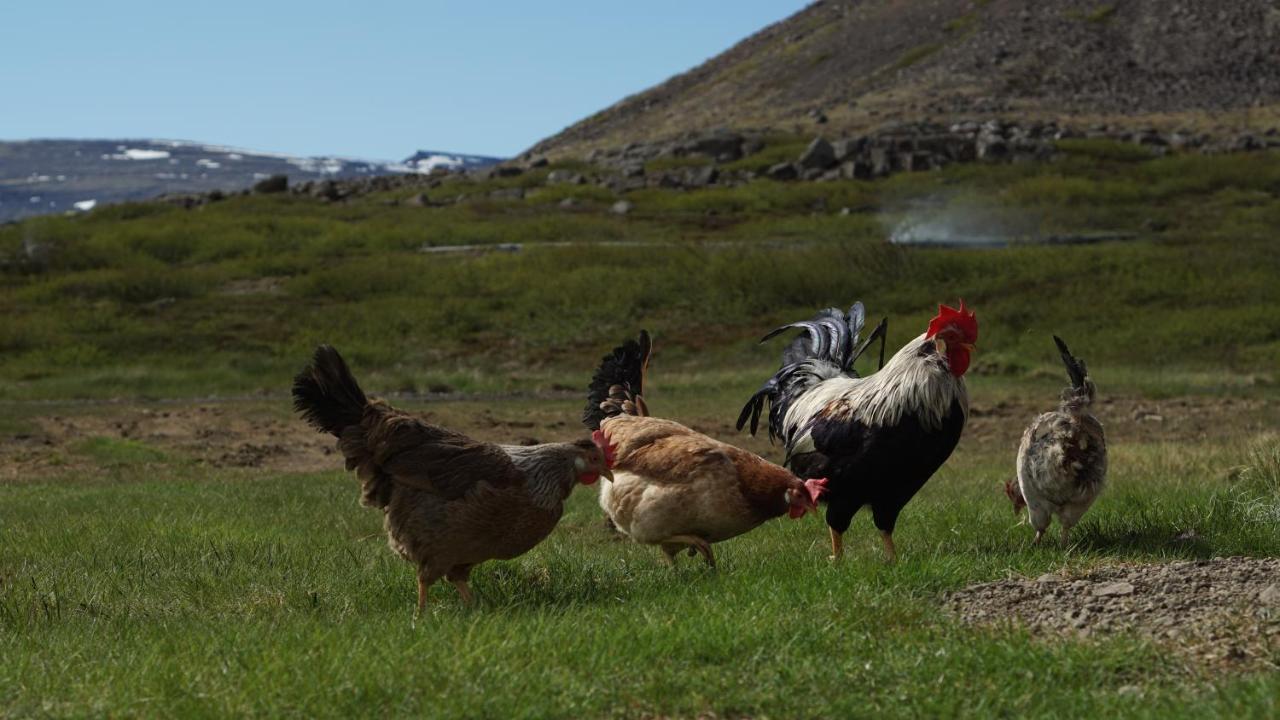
{"points": [[911, 383]]}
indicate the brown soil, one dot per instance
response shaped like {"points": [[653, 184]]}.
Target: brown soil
{"points": [[1215, 613], [262, 434]]}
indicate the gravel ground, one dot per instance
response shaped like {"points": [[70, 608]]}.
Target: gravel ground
{"points": [[1220, 612]]}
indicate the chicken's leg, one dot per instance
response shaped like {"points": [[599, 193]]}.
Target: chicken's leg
{"points": [[837, 544], [693, 541], [425, 580], [670, 550], [459, 575], [890, 552], [1066, 532], [465, 591]]}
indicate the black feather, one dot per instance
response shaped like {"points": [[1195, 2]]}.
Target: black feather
{"points": [[828, 348], [624, 366], [327, 394], [1076, 368]]}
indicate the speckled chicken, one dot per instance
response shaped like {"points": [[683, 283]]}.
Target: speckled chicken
{"points": [[449, 502], [675, 487], [1062, 462]]}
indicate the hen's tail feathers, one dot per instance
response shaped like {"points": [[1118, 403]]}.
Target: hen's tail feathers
{"points": [[1076, 368], [327, 395], [1079, 396], [829, 347], [617, 387]]}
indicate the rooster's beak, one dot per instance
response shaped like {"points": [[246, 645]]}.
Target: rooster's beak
{"points": [[607, 474]]}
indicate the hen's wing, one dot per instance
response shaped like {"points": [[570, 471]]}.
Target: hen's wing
{"points": [[416, 454], [664, 451]]}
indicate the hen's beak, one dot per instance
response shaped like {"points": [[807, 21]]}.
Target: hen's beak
{"points": [[607, 474]]}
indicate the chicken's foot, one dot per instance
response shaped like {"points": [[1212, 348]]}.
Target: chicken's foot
{"points": [[837, 544]]}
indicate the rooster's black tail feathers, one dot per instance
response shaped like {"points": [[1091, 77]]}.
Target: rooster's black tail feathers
{"points": [[618, 384], [828, 348], [326, 393]]}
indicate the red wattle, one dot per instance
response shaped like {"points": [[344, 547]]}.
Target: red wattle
{"points": [[958, 360]]}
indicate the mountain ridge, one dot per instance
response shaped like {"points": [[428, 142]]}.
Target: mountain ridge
{"points": [[851, 66]]}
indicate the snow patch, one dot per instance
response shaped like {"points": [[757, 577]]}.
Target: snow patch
{"points": [[137, 154], [84, 205], [207, 163], [324, 166]]}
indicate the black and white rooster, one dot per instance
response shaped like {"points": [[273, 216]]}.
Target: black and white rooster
{"points": [[1062, 462], [877, 438]]}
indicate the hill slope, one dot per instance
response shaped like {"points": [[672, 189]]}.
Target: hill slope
{"points": [[854, 65]]}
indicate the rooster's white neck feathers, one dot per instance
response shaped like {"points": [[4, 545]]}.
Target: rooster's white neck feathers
{"points": [[916, 381]]}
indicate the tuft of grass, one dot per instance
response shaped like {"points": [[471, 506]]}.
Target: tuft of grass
{"points": [[115, 453], [915, 55]]}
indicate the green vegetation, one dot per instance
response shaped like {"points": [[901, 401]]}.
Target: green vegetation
{"points": [[138, 578], [1098, 15], [149, 300], [179, 589], [915, 55]]}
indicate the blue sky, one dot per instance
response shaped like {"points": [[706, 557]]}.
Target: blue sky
{"points": [[361, 79]]}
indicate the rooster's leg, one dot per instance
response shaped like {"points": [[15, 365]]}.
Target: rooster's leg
{"points": [[837, 544], [890, 552], [1066, 532], [1039, 535]]}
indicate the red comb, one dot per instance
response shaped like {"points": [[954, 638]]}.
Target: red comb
{"points": [[816, 488], [962, 318], [602, 442]]}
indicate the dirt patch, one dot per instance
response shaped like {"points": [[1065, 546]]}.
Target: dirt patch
{"points": [[1129, 419], [220, 435], [1223, 612]]}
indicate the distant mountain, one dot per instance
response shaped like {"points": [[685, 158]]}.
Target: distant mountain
{"points": [[47, 176], [425, 161], [852, 66]]}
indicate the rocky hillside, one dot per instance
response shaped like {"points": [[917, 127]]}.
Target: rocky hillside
{"points": [[850, 66], [45, 176]]}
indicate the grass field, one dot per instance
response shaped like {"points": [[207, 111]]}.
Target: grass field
{"points": [[165, 552], [140, 580]]}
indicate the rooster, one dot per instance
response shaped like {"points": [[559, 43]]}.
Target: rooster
{"points": [[878, 438], [674, 487], [449, 502], [1062, 462]]}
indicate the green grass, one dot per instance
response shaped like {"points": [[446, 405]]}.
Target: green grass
{"points": [[142, 300], [139, 581], [177, 589], [915, 55]]}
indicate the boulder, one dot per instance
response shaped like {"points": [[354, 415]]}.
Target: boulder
{"points": [[818, 156], [514, 193], [565, 177], [273, 184], [721, 145], [702, 176], [783, 171], [622, 207]]}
